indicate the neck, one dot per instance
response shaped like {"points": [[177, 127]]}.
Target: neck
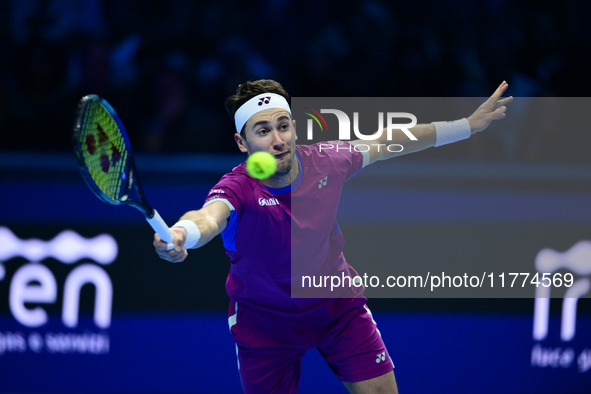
{"points": [[281, 181]]}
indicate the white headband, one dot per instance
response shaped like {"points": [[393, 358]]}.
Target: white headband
{"points": [[257, 104]]}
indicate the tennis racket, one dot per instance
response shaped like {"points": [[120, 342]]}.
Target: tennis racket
{"points": [[106, 161]]}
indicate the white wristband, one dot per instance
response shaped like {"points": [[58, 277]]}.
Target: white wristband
{"points": [[193, 233], [448, 132]]}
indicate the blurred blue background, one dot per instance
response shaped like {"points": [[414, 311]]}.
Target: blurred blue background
{"points": [[167, 68]]}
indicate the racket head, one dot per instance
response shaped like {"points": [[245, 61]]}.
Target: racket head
{"points": [[104, 153]]}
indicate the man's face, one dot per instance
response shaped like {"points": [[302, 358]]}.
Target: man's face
{"points": [[272, 131]]}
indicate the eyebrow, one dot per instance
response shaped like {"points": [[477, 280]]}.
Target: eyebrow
{"points": [[260, 122]]}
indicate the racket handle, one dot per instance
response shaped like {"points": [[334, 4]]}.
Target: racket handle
{"points": [[161, 229]]}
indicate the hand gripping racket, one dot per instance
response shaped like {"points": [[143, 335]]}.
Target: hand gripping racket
{"points": [[106, 162]]}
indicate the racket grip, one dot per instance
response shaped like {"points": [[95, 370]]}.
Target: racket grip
{"points": [[161, 229]]}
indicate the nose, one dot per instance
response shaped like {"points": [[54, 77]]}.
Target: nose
{"points": [[277, 141]]}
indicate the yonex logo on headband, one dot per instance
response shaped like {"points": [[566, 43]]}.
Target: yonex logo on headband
{"points": [[256, 104], [264, 100]]}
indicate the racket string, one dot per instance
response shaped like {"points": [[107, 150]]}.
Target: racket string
{"points": [[104, 151]]}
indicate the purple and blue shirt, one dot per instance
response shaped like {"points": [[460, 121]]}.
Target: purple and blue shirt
{"points": [[274, 235]]}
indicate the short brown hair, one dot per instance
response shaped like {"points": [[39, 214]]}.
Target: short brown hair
{"points": [[248, 90]]}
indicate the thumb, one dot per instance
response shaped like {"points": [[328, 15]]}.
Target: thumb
{"points": [[178, 242]]}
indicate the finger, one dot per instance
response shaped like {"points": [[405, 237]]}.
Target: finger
{"points": [[498, 93], [504, 101], [499, 113], [160, 245], [176, 253], [500, 90], [180, 258], [178, 243], [158, 242]]}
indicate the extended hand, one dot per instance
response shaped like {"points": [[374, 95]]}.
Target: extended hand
{"points": [[492, 109], [179, 253]]}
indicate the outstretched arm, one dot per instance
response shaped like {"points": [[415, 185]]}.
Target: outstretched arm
{"points": [[492, 109], [210, 220]]}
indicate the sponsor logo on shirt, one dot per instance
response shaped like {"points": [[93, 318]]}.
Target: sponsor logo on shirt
{"points": [[322, 182], [381, 357], [216, 197], [216, 191], [268, 201]]}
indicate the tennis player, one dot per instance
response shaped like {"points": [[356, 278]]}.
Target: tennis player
{"points": [[272, 330]]}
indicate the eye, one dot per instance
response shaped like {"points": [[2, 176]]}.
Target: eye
{"points": [[262, 131], [284, 126]]}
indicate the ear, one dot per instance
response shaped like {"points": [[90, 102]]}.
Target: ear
{"points": [[294, 130], [241, 142]]}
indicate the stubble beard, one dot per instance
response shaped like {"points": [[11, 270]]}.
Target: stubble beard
{"points": [[283, 170]]}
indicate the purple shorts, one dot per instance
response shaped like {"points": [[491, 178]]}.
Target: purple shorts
{"points": [[270, 346]]}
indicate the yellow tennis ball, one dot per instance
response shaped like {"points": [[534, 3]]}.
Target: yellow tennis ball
{"points": [[261, 165]]}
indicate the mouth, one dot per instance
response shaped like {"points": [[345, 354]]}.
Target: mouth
{"points": [[282, 155]]}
